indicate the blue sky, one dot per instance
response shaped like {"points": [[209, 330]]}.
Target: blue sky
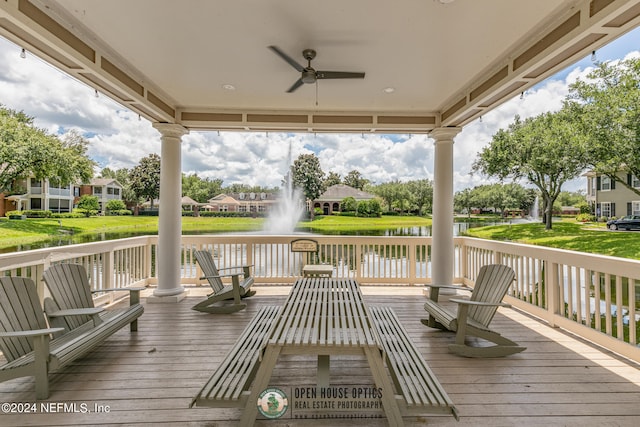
{"points": [[118, 138]]}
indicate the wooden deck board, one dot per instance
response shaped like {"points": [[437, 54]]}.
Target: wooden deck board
{"points": [[558, 380]]}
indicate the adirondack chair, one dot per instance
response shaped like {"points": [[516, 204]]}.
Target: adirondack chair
{"points": [[71, 303], [26, 341], [475, 314], [236, 291]]}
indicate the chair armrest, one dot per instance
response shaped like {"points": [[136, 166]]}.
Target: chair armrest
{"points": [[133, 289], [89, 311], [134, 293], [32, 333], [457, 287], [479, 303], [236, 266], [221, 275]]}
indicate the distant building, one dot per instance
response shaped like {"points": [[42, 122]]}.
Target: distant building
{"points": [[105, 189], [609, 198], [241, 202], [47, 195], [329, 201]]}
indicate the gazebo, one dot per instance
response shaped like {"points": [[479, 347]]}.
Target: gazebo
{"points": [[416, 66]]}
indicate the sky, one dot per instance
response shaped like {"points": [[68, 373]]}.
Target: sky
{"points": [[119, 138]]}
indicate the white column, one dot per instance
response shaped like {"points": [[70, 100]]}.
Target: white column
{"points": [[442, 252], [170, 214]]}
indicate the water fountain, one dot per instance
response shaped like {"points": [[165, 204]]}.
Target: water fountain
{"points": [[534, 214], [285, 215]]}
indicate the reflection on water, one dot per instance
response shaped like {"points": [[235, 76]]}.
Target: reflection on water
{"points": [[71, 239]]}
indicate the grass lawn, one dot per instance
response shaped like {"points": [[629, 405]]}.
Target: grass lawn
{"points": [[345, 224], [32, 230], [567, 235]]}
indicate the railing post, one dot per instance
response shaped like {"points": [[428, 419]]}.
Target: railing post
{"points": [[412, 260], [107, 271], [358, 261], [148, 255], [552, 291]]}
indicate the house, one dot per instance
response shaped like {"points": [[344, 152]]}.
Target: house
{"points": [[242, 202], [105, 189], [609, 198], [330, 200], [37, 194]]}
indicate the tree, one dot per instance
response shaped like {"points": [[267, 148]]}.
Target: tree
{"points": [[354, 179], [464, 201], [200, 190], [608, 107], [332, 179], [422, 192], [308, 175], [348, 204], [547, 150], [387, 192], [74, 163], [26, 151], [145, 178], [115, 205]]}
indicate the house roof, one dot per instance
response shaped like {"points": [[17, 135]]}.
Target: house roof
{"points": [[223, 199], [99, 182], [186, 200], [341, 191]]}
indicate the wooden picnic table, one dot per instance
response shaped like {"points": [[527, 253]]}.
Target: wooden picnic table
{"points": [[323, 317]]}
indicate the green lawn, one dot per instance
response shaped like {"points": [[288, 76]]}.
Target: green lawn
{"points": [[345, 224], [567, 235]]}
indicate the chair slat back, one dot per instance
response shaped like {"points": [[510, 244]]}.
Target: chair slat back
{"points": [[491, 285], [209, 269], [70, 289], [20, 310]]}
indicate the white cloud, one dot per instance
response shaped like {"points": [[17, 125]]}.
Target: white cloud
{"points": [[119, 139]]}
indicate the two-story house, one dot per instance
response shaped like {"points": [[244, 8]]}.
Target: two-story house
{"points": [[37, 194], [105, 189], [609, 198], [242, 202], [49, 195]]}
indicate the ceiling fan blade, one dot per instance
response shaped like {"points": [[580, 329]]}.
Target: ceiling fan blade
{"points": [[296, 85], [287, 58], [338, 75]]}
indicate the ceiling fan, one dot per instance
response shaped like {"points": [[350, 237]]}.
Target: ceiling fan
{"points": [[310, 75]]}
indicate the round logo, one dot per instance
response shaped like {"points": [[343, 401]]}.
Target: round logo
{"points": [[273, 403]]}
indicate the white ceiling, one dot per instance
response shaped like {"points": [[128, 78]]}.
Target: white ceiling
{"points": [[447, 61]]}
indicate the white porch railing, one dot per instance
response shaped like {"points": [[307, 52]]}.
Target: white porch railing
{"points": [[596, 297]]}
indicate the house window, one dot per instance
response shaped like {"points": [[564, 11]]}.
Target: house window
{"points": [[36, 203], [262, 208], [635, 181], [109, 190], [605, 183], [242, 208], [224, 208], [635, 208], [606, 209], [36, 186], [97, 190]]}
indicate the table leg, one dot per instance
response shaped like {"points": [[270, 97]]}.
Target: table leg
{"points": [[323, 370], [260, 383], [389, 403]]}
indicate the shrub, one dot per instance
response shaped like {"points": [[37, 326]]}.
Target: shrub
{"points": [[585, 217], [67, 215], [115, 205], [37, 214]]}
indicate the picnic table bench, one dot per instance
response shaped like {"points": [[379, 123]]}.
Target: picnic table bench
{"points": [[416, 385], [229, 385]]}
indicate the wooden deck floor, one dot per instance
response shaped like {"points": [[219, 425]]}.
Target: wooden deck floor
{"points": [[150, 377]]}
